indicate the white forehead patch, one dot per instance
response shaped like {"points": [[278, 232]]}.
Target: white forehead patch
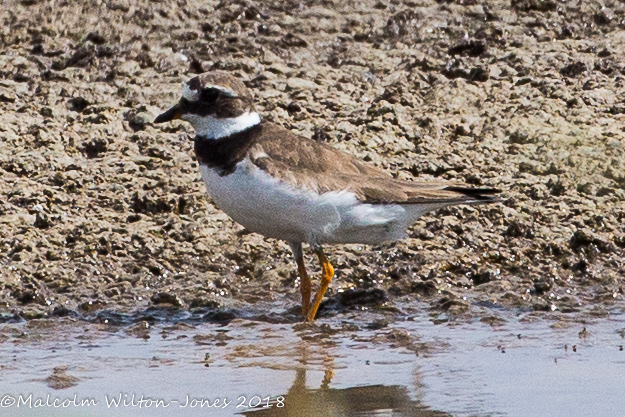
{"points": [[228, 92], [193, 95], [188, 94]]}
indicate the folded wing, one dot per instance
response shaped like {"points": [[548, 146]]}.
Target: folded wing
{"points": [[314, 166]]}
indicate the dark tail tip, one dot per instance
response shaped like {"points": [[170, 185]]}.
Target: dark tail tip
{"points": [[480, 194]]}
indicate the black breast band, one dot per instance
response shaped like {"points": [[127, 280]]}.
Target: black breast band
{"points": [[225, 153]]}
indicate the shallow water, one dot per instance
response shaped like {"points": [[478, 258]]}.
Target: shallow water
{"points": [[353, 365]]}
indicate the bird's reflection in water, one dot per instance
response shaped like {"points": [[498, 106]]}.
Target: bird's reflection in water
{"points": [[372, 400]]}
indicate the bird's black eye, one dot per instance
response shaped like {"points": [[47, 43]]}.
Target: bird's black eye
{"points": [[209, 95]]}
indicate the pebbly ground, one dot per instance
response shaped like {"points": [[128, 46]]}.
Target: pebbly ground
{"points": [[103, 213]]}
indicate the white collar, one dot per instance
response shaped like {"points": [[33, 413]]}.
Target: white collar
{"points": [[210, 127]]}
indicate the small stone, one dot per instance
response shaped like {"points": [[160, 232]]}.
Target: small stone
{"points": [[96, 38], [128, 68], [452, 305], [470, 47], [46, 112], [204, 303], [482, 277], [60, 380], [290, 40], [300, 84], [167, 298], [93, 305], [220, 316], [275, 30], [42, 221], [362, 297], [427, 288], [78, 104], [270, 58], [278, 68], [574, 69], [521, 137], [7, 98]]}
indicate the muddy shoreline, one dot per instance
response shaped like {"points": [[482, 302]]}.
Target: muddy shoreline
{"points": [[103, 214]]}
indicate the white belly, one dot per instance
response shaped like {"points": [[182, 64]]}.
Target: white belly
{"points": [[265, 205]]}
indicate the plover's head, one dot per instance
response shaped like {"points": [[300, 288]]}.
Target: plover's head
{"points": [[216, 104]]}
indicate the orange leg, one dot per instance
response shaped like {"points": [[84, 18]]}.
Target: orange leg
{"points": [[306, 285], [327, 378], [327, 272]]}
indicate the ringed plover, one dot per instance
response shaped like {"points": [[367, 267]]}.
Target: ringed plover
{"points": [[293, 188]]}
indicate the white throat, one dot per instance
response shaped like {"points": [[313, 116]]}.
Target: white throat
{"points": [[212, 128]]}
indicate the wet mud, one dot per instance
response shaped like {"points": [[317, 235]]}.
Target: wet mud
{"points": [[103, 211], [105, 226]]}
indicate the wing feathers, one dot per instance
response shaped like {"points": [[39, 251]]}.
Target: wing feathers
{"points": [[305, 163]]}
